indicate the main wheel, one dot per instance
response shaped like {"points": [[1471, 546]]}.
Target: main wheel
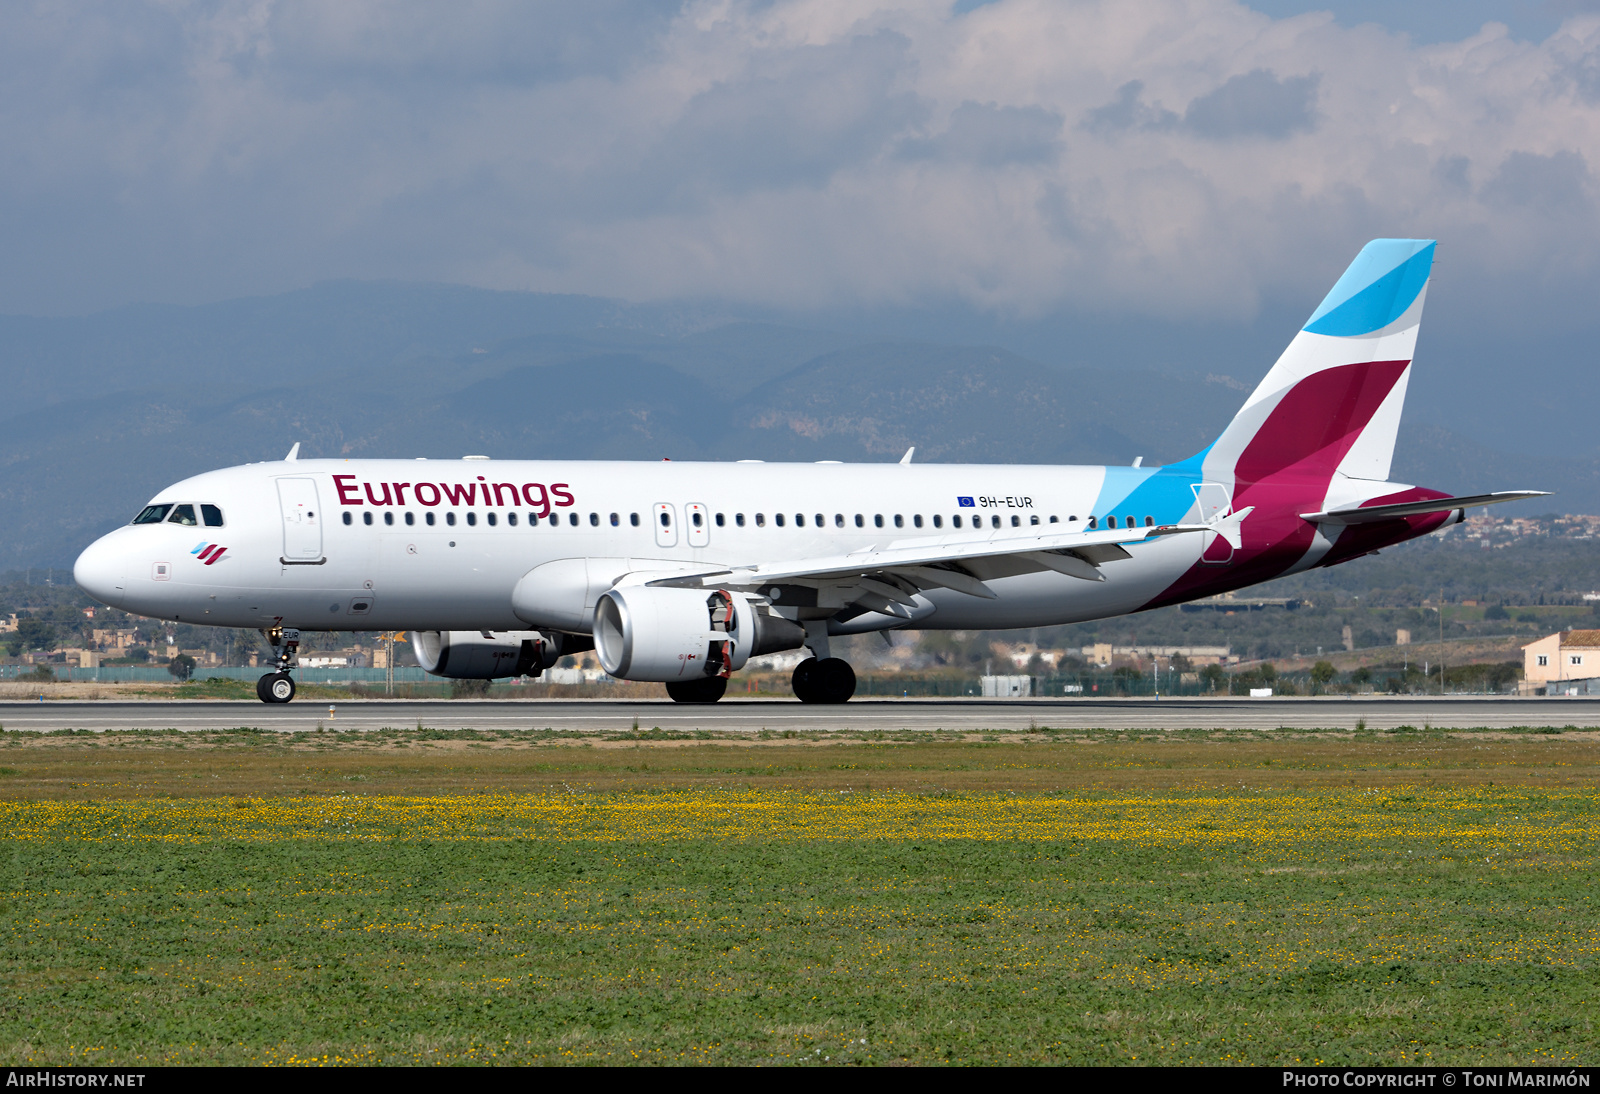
{"points": [[707, 689], [834, 680], [804, 681], [275, 687]]}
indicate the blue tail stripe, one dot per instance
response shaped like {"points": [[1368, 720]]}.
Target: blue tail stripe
{"points": [[1376, 290]]}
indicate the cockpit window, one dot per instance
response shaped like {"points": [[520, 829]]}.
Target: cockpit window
{"points": [[212, 515], [152, 514], [183, 514]]}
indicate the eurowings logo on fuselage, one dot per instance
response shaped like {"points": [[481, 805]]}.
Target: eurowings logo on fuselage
{"points": [[209, 553]]}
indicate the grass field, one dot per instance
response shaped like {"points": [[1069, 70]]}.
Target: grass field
{"points": [[1071, 897]]}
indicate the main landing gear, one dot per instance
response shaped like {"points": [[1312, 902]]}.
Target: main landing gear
{"points": [[278, 687], [816, 680], [707, 689], [824, 680]]}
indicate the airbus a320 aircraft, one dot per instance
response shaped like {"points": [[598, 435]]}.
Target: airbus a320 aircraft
{"points": [[681, 572]]}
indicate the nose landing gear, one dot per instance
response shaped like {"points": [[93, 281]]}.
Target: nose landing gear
{"points": [[824, 680], [278, 687]]}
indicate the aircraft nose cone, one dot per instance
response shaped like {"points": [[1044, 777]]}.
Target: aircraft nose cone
{"points": [[99, 572]]}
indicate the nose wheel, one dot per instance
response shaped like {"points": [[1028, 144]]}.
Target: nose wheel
{"points": [[824, 680], [275, 687]]}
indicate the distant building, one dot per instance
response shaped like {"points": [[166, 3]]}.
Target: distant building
{"points": [[1568, 659], [1229, 603], [1105, 654]]}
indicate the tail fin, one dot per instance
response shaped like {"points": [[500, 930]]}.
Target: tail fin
{"points": [[1332, 402]]}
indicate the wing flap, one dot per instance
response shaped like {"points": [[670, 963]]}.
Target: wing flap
{"points": [[913, 558]]}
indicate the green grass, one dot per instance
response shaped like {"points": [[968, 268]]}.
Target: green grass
{"points": [[852, 951]]}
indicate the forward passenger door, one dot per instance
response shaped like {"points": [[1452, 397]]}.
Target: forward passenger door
{"points": [[302, 521]]}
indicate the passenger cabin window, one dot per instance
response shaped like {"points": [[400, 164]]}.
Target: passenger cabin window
{"points": [[899, 521], [450, 519], [938, 521], [472, 518], [720, 521], [211, 515], [184, 515], [777, 518], [838, 520], [572, 519], [1149, 522], [761, 520], [492, 519], [366, 518], [511, 519], [955, 521], [429, 518], [995, 520], [861, 522], [799, 520], [1035, 519], [1016, 521], [917, 520], [594, 520], [616, 521], [633, 519], [738, 518], [1092, 524], [411, 518], [1056, 520], [877, 520], [348, 519], [1111, 522], [152, 514]]}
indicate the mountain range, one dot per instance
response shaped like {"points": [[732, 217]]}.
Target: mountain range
{"points": [[102, 411]]}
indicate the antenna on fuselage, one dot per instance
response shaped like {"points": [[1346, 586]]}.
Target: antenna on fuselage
{"points": [[294, 453]]}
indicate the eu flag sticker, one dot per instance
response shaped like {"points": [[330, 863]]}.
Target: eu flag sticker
{"points": [[965, 503]]}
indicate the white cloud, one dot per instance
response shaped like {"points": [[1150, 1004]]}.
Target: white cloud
{"points": [[1184, 158]]}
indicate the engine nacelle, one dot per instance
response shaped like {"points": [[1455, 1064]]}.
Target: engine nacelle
{"points": [[665, 634], [489, 655]]}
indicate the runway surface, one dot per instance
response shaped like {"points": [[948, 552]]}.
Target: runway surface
{"points": [[778, 715]]}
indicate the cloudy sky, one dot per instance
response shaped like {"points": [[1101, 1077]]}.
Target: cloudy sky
{"points": [[1182, 161]]}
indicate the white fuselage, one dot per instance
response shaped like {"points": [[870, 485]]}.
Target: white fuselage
{"points": [[348, 544]]}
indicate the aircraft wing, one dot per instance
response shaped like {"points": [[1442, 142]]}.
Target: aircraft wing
{"points": [[1418, 508], [884, 578]]}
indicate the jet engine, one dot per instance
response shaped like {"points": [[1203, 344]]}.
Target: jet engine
{"points": [[667, 634], [488, 655]]}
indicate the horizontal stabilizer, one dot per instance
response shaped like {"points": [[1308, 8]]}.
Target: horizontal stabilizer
{"points": [[1418, 508]]}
